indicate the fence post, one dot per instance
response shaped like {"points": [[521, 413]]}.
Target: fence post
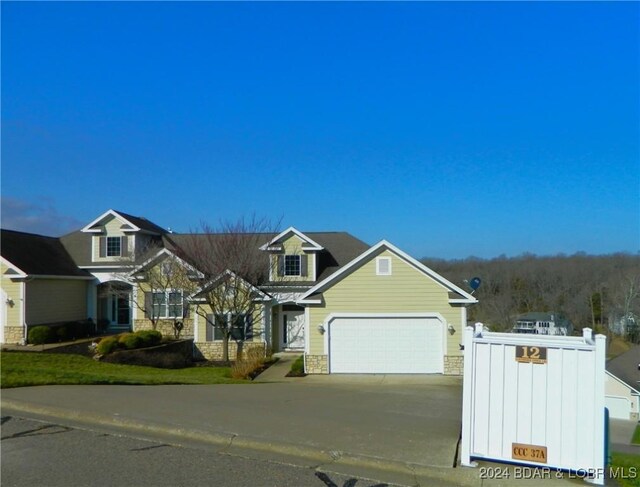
{"points": [[467, 394]]}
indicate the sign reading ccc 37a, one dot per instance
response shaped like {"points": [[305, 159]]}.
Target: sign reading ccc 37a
{"points": [[534, 400]]}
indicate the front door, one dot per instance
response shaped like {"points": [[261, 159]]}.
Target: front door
{"points": [[293, 329]]}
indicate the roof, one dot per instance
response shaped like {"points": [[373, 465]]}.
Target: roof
{"points": [[339, 248], [542, 316], [38, 255], [142, 223], [377, 249], [138, 223], [626, 367]]}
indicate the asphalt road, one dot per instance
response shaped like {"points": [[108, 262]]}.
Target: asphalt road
{"points": [[36, 453]]}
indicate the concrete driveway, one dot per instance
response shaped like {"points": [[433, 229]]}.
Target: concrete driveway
{"points": [[381, 420]]}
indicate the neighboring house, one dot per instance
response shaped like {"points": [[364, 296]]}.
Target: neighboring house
{"points": [[624, 324], [543, 324], [622, 385], [348, 307], [40, 284]]}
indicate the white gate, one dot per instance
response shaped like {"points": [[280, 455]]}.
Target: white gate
{"points": [[535, 400]]}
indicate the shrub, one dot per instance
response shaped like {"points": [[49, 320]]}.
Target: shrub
{"points": [[40, 334], [63, 333], [129, 341], [251, 362], [107, 345], [149, 338]]}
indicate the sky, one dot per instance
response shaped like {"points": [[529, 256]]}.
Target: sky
{"points": [[449, 129]]}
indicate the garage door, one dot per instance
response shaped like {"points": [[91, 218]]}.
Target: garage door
{"points": [[619, 407], [386, 345]]}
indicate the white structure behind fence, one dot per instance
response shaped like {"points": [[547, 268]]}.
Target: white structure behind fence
{"points": [[535, 400]]}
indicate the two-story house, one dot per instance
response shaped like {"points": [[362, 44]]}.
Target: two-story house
{"points": [[347, 306]]}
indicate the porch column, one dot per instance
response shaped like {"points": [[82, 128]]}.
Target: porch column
{"points": [[92, 300]]}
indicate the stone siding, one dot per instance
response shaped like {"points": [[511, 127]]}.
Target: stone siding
{"points": [[13, 334], [453, 365], [166, 327], [316, 364], [213, 350]]}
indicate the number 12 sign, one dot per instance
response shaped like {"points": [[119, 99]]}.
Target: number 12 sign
{"points": [[529, 354]]}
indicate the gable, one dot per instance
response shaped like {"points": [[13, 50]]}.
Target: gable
{"points": [[389, 251], [277, 242], [404, 288]]}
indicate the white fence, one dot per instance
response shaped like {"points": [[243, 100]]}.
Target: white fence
{"points": [[535, 400]]}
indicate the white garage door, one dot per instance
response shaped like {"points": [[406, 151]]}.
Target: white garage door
{"points": [[386, 345], [619, 407]]}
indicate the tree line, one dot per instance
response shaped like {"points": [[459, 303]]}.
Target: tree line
{"points": [[598, 291]]}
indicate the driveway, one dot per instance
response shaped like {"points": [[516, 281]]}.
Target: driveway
{"points": [[403, 419]]}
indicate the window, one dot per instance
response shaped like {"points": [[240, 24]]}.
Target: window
{"points": [[383, 266], [114, 246], [291, 265], [241, 326], [167, 304]]}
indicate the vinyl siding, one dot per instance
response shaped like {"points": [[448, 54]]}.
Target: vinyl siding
{"points": [[293, 246], [13, 291], [406, 290], [111, 229], [614, 388], [53, 300]]}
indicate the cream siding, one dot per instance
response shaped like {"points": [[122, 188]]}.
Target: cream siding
{"points": [[406, 290], [13, 291], [54, 300], [614, 387], [293, 246], [111, 229]]}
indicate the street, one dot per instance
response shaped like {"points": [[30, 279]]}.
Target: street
{"points": [[36, 453]]}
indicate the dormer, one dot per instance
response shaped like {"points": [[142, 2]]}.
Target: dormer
{"points": [[293, 257], [116, 236]]}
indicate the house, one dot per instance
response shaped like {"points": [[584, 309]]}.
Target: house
{"points": [[622, 385], [40, 284], [543, 324], [347, 306]]}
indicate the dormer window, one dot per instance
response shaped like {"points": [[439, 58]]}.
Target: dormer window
{"points": [[114, 246], [292, 265]]}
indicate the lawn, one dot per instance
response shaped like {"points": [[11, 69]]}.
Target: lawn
{"points": [[636, 436], [627, 467], [35, 369]]}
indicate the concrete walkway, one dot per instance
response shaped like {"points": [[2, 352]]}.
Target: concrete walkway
{"points": [[278, 371]]}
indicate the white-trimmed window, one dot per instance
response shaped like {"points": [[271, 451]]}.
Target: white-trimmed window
{"points": [[383, 266], [114, 246], [167, 304], [292, 265]]}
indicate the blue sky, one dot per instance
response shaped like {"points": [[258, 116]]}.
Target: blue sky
{"points": [[450, 129]]}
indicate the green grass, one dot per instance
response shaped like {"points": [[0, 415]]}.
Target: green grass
{"points": [[297, 368], [35, 369], [630, 465], [636, 436]]}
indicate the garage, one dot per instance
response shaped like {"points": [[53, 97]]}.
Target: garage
{"points": [[619, 407], [386, 345]]}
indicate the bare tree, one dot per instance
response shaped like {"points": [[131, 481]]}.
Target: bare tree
{"points": [[162, 282], [233, 268]]}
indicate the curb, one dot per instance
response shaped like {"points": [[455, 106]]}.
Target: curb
{"points": [[320, 459]]}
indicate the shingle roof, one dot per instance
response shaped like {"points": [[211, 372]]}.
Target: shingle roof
{"points": [[38, 255], [625, 367], [142, 223], [340, 248]]}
